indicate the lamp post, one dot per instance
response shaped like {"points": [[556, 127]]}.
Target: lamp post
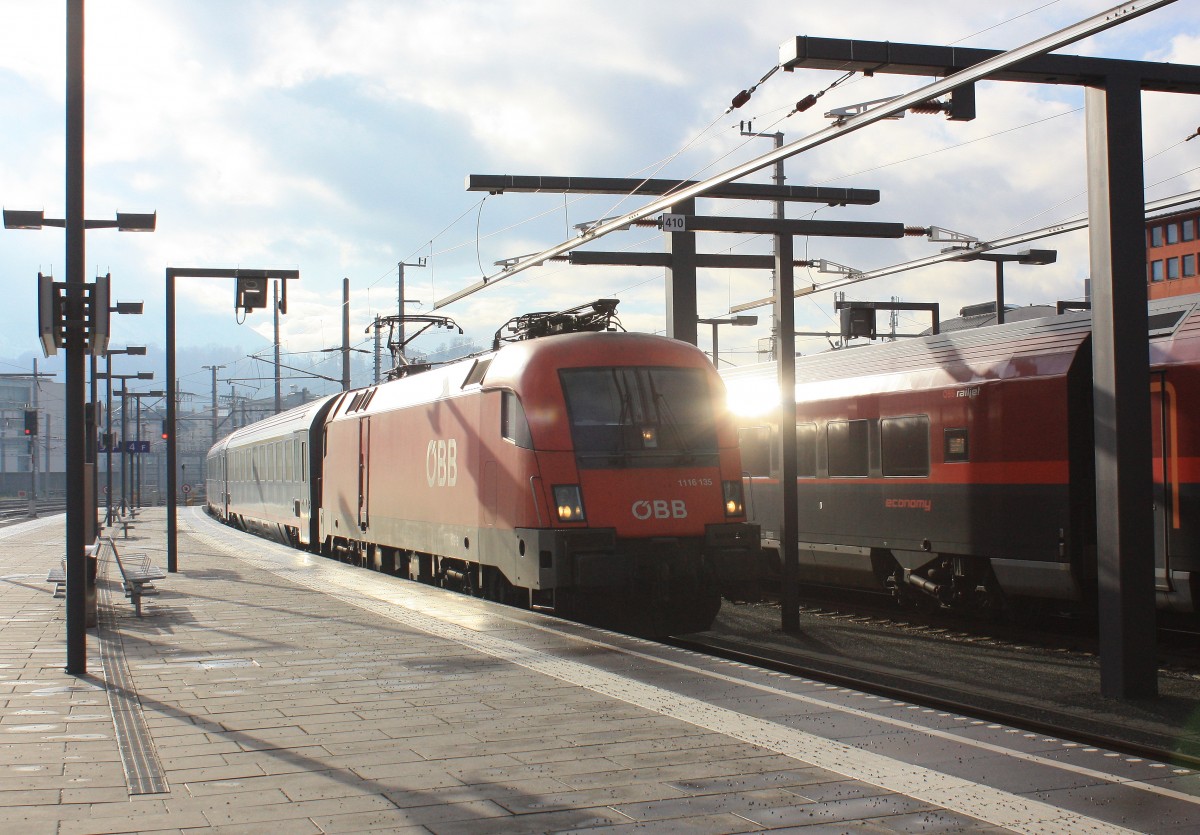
{"points": [[248, 294], [130, 350], [120, 308], [135, 495], [1035, 257], [75, 333], [109, 376], [736, 321]]}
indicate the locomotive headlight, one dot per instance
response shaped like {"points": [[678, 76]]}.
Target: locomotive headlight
{"points": [[734, 505], [649, 437], [569, 502]]}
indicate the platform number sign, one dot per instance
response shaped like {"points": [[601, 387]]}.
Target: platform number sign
{"points": [[674, 223]]}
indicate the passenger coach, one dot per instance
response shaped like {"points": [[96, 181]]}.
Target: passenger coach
{"points": [[959, 468]]}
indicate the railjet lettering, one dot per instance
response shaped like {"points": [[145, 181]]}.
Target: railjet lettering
{"points": [[441, 463], [659, 509], [910, 504]]}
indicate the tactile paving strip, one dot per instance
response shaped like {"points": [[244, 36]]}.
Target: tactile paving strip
{"points": [[143, 771]]}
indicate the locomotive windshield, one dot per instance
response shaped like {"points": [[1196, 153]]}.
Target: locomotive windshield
{"points": [[640, 411]]}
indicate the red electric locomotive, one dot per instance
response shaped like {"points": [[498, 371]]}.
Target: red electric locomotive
{"points": [[959, 468], [595, 474]]}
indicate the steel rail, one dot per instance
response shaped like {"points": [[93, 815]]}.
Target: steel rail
{"points": [[912, 692]]}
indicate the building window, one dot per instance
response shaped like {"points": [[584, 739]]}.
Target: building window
{"points": [[1172, 233], [1172, 268], [1189, 265], [1189, 229], [1156, 236], [1156, 270]]}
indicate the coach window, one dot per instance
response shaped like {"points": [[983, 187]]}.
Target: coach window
{"points": [[847, 443], [956, 449], [1189, 229], [1172, 268], [806, 450], [513, 425], [1172, 233], [1156, 236], [905, 445], [1156, 270], [754, 442]]}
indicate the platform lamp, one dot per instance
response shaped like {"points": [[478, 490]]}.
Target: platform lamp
{"points": [[75, 331], [736, 321], [1032, 257]]}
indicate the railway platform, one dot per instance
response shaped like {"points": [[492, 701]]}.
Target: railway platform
{"points": [[267, 690]]}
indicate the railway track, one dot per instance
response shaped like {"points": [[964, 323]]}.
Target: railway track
{"points": [[1063, 632], [1043, 688], [17, 510]]}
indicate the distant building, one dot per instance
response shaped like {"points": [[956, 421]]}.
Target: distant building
{"points": [[1172, 249], [17, 394]]}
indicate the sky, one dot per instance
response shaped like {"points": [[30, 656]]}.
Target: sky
{"points": [[335, 138]]}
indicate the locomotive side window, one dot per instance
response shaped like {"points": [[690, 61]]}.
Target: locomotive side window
{"points": [[905, 445], [957, 450], [513, 425], [847, 447], [806, 450]]}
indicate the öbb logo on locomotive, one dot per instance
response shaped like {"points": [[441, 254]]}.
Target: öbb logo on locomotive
{"points": [[644, 509], [441, 462]]}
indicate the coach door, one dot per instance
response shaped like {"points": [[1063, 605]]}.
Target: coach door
{"points": [[364, 472], [1164, 437]]}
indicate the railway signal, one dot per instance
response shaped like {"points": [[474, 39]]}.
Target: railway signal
{"points": [[31, 422]]}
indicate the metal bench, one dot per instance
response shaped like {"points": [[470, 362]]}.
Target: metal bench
{"points": [[137, 575], [58, 574]]}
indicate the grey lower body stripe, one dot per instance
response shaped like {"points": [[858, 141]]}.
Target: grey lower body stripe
{"points": [[976, 800], [139, 758]]}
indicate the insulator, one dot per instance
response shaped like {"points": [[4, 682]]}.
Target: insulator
{"points": [[805, 263], [916, 231], [740, 99], [928, 107], [805, 103], [646, 222]]}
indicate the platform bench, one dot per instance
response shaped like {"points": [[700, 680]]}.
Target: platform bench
{"points": [[58, 574], [137, 575]]}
